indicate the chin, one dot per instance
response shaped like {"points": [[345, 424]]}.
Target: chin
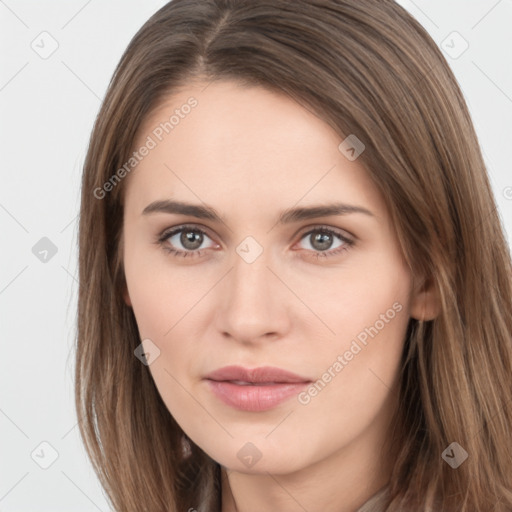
{"points": [[259, 458]]}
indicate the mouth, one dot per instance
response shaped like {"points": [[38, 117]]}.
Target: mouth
{"points": [[242, 383], [254, 390]]}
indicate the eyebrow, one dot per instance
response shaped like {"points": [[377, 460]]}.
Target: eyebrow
{"points": [[288, 216]]}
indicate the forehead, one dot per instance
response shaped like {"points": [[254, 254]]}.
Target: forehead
{"points": [[223, 141]]}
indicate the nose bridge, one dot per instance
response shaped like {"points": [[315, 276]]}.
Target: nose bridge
{"points": [[250, 276], [251, 304]]}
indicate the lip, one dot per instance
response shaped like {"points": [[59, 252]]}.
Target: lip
{"points": [[256, 389]]}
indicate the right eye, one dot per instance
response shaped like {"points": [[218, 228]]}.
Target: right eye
{"points": [[190, 238]]}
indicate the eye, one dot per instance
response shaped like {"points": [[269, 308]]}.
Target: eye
{"points": [[190, 238], [321, 240]]}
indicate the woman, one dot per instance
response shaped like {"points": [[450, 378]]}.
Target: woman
{"points": [[295, 292]]}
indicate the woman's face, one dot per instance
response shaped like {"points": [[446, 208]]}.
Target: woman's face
{"points": [[264, 281]]}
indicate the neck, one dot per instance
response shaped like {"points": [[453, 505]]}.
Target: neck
{"points": [[341, 482]]}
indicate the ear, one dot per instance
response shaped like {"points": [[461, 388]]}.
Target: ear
{"points": [[425, 303]]}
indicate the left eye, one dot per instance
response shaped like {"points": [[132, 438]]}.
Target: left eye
{"points": [[322, 243], [321, 239]]}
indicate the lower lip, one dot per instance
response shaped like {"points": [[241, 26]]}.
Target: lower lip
{"points": [[255, 398]]}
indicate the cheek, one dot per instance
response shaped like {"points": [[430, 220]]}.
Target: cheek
{"points": [[354, 390], [371, 291], [156, 292], [163, 315], [149, 304], [369, 313], [163, 305]]}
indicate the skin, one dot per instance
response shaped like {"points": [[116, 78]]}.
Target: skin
{"points": [[252, 153]]}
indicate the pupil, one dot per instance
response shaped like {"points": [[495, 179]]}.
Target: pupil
{"points": [[324, 240], [191, 239]]}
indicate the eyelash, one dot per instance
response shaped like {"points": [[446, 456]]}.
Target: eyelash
{"points": [[164, 236]]}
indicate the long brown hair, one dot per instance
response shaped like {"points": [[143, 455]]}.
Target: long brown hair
{"points": [[366, 67]]}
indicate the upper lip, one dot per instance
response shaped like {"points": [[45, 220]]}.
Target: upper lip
{"points": [[260, 374]]}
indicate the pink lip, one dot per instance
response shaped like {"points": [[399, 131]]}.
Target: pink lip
{"points": [[271, 386]]}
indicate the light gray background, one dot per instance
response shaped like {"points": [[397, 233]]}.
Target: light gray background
{"points": [[47, 110]]}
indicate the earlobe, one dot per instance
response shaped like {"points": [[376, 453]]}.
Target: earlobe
{"points": [[425, 304]]}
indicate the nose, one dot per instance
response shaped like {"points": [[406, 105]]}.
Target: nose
{"points": [[253, 302]]}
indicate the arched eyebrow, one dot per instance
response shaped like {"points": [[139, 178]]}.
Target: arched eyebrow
{"points": [[288, 216]]}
